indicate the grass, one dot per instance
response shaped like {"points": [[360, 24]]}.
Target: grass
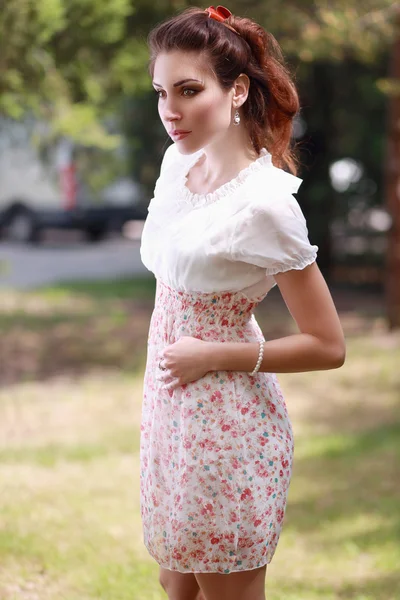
{"points": [[69, 453], [73, 327]]}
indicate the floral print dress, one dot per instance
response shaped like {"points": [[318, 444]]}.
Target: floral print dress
{"points": [[216, 454]]}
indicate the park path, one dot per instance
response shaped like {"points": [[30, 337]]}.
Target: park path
{"points": [[25, 266]]}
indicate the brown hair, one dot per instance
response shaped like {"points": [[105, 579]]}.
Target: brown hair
{"points": [[272, 102]]}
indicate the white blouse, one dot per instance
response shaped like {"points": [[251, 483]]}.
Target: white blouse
{"points": [[233, 239]]}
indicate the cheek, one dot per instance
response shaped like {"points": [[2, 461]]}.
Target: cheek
{"points": [[212, 112]]}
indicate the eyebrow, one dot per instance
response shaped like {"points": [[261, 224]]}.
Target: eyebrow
{"points": [[178, 83]]}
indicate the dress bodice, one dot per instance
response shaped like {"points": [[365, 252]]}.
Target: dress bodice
{"points": [[234, 239]]}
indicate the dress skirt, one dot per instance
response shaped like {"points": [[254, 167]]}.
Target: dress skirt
{"points": [[215, 454]]}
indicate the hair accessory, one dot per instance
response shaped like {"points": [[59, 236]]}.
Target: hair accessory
{"points": [[220, 14]]}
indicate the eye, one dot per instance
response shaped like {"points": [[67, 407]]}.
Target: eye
{"points": [[194, 92], [187, 95]]}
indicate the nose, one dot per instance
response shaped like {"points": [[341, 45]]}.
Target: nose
{"points": [[169, 111]]}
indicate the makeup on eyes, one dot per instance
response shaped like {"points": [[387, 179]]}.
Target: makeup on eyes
{"points": [[178, 83], [195, 92]]}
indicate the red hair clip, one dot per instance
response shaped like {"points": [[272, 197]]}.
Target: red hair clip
{"points": [[220, 14]]}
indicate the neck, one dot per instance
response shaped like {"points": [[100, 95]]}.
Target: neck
{"points": [[225, 158]]}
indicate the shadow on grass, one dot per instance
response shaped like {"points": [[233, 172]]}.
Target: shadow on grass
{"points": [[353, 504], [140, 288], [71, 328]]}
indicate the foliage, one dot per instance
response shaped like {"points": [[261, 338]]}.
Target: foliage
{"points": [[55, 57], [325, 30], [70, 59]]}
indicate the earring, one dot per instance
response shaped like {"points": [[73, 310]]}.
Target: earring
{"points": [[236, 118]]}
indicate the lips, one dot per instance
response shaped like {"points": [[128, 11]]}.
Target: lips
{"points": [[178, 131], [179, 135]]}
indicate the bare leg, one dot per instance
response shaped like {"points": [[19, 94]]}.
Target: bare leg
{"points": [[180, 586], [242, 585]]}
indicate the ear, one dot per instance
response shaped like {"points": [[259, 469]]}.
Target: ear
{"points": [[240, 90]]}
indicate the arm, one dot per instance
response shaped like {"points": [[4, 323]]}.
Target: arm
{"points": [[320, 344]]}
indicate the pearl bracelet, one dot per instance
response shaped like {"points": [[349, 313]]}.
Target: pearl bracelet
{"points": [[260, 357]]}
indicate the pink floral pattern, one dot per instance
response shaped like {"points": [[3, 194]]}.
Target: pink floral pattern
{"points": [[216, 454]]}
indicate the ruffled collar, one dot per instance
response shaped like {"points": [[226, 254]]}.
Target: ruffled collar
{"points": [[192, 198]]}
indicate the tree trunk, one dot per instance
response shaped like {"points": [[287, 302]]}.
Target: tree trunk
{"points": [[392, 175], [317, 97]]}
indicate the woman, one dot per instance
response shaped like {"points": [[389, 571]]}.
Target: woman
{"points": [[223, 228]]}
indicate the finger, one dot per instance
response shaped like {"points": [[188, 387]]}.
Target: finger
{"points": [[171, 385], [161, 377], [164, 375]]}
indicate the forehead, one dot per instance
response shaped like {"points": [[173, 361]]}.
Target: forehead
{"points": [[176, 65]]}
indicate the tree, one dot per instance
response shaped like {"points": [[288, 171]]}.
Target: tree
{"points": [[71, 59], [392, 172], [63, 60]]}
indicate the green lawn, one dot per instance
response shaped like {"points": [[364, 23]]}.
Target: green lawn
{"points": [[71, 369]]}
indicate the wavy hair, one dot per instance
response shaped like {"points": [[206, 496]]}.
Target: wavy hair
{"points": [[272, 101]]}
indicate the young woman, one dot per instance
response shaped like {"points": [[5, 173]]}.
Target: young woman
{"points": [[223, 228]]}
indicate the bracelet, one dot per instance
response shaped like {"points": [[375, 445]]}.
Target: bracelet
{"points": [[260, 357]]}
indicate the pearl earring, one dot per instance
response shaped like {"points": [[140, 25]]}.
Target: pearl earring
{"points": [[236, 118]]}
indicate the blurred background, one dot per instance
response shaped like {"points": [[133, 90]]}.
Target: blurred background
{"points": [[80, 151]]}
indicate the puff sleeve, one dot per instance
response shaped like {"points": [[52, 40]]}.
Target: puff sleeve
{"points": [[168, 159], [271, 230]]}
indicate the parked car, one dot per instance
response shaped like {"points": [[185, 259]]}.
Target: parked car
{"points": [[61, 185]]}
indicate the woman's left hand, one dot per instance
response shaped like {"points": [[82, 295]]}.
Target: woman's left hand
{"points": [[186, 360]]}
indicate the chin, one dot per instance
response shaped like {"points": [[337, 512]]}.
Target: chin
{"points": [[187, 149]]}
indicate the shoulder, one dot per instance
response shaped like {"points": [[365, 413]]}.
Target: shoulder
{"points": [[275, 181], [270, 228], [170, 157], [174, 167], [269, 194], [173, 159]]}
